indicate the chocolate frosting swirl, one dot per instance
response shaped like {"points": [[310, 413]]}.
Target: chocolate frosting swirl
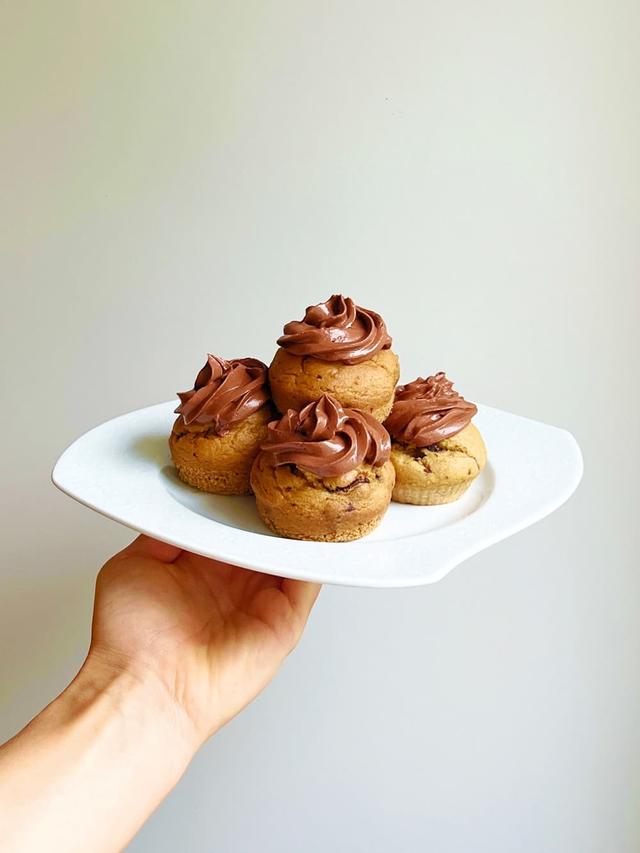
{"points": [[224, 393], [336, 330], [327, 440], [427, 411]]}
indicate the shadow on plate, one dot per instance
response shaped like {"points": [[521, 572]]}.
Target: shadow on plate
{"points": [[235, 511], [154, 448], [239, 512]]}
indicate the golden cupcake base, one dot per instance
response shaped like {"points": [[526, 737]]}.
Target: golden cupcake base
{"points": [[298, 505], [427, 477], [370, 386], [219, 464]]}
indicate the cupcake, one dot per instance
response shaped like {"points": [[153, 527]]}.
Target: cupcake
{"points": [[436, 451], [221, 424], [323, 473], [338, 349]]}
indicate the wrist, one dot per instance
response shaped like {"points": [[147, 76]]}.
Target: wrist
{"points": [[94, 764], [141, 703]]}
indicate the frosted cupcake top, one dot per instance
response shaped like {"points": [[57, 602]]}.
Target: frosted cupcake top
{"points": [[225, 393], [326, 439], [427, 411], [336, 330]]}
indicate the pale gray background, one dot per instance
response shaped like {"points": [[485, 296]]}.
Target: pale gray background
{"points": [[185, 177]]}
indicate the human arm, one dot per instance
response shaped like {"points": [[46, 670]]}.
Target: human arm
{"points": [[179, 645]]}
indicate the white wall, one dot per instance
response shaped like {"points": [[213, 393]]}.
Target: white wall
{"points": [[186, 177]]}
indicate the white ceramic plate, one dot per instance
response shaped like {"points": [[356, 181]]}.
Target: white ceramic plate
{"points": [[123, 470]]}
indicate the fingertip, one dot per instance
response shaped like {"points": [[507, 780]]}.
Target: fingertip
{"points": [[145, 546], [301, 594]]}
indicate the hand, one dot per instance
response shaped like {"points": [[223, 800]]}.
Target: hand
{"points": [[212, 634], [180, 644]]}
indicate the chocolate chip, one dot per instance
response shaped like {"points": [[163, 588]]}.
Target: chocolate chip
{"points": [[361, 478]]}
